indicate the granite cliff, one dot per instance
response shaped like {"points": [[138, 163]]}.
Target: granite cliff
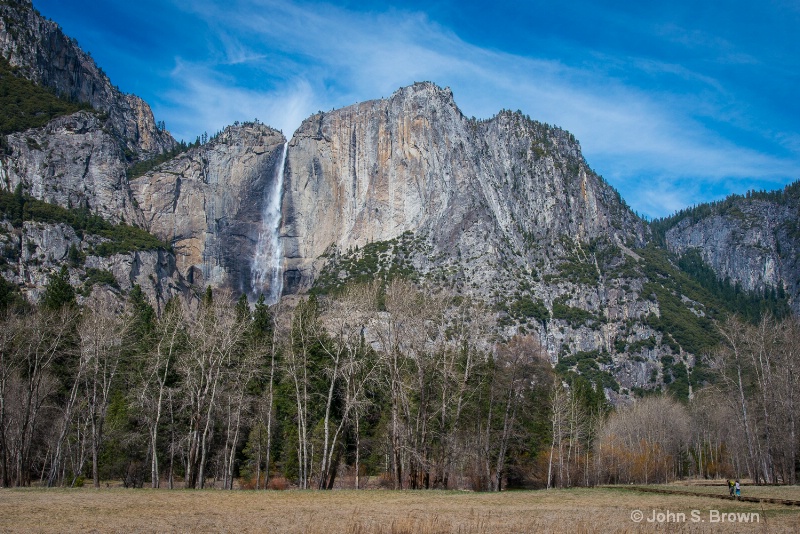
{"points": [[46, 56], [753, 240], [494, 194], [77, 163], [72, 161], [208, 203], [504, 210]]}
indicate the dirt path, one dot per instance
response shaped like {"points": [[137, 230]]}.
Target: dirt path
{"points": [[772, 500]]}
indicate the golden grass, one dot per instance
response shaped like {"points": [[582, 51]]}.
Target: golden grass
{"points": [[360, 512]]}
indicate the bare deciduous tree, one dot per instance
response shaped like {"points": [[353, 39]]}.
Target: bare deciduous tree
{"points": [[514, 376], [150, 388], [214, 333], [32, 345], [102, 332], [349, 368], [645, 442], [297, 364]]}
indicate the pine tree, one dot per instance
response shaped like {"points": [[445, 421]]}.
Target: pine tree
{"points": [[10, 297], [208, 297], [17, 213], [262, 320], [144, 316], [242, 308], [58, 292]]}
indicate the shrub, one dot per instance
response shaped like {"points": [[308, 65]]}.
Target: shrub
{"points": [[100, 276], [527, 307], [574, 316], [122, 238], [278, 483]]}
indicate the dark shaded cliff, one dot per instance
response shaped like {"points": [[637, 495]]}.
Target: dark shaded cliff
{"points": [[753, 241]]}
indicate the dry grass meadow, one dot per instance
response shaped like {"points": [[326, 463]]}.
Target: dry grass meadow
{"points": [[378, 511]]}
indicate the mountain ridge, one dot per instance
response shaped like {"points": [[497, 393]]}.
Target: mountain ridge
{"points": [[45, 55], [394, 129], [751, 240]]}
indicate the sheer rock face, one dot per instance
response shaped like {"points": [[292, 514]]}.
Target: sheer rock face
{"points": [[41, 249], [754, 242], [73, 161], [483, 190], [46, 56], [77, 160], [208, 203]]}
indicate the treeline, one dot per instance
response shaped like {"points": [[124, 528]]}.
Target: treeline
{"points": [[409, 394], [730, 204], [743, 424], [143, 167], [752, 305], [381, 386], [18, 207]]}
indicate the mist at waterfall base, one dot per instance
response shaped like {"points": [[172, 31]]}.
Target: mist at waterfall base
{"points": [[266, 271]]}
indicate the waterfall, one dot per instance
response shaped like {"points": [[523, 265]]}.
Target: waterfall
{"points": [[266, 269]]}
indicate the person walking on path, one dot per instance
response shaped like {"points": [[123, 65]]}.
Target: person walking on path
{"points": [[730, 487], [738, 488]]}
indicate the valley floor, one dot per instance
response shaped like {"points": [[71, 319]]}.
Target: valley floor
{"points": [[608, 509]]}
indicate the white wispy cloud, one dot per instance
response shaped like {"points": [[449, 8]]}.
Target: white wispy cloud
{"points": [[203, 101], [318, 56]]}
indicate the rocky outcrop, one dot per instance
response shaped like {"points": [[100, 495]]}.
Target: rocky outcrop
{"points": [[208, 203], [753, 241], [490, 192], [74, 162], [45, 55], [33, 253]]}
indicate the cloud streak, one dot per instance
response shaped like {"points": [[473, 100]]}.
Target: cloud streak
{"points": [[298, 58], [204, 101]]}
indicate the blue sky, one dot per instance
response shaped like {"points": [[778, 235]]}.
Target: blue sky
{"points": [[674, 103]]}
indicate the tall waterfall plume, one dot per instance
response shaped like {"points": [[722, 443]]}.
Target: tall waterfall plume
{"points": [[266, 272]]}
